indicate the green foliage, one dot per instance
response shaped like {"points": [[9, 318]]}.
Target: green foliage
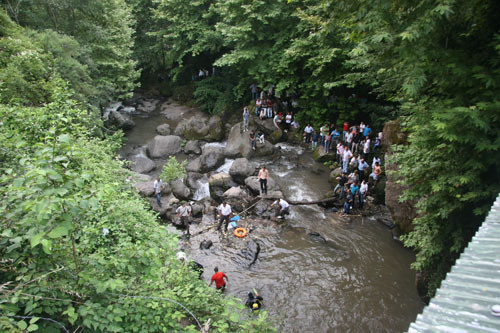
{"points": [[95, 56], [173, 170], [214, 94]]}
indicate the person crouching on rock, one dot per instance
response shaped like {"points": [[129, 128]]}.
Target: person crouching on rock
{"points": [[225, 213], [284, 207]]}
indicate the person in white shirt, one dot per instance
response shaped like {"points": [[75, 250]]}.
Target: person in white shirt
{"points": [[345, 158], [225, 213], [158, 186], [363, 190], [366, 148], [184, 212], [284, 207], [308, 132]]}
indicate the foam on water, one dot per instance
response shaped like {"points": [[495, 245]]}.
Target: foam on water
{"points": [[226, 166], [202, 189]]}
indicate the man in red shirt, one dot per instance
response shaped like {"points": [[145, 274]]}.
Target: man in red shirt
{"points": [[218, 277]]}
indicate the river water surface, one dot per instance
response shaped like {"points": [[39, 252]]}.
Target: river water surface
{"points": [[358, 281]]}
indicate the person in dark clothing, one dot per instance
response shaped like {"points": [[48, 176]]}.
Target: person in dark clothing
{"points": [[349, 200], [254, 302], [341, 185]]}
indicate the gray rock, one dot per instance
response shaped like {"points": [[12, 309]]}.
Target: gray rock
{"points": [[319, 155], [180, 190], [195, 128], [238, 143], [254, 185], [218, 184], [265, 149], [164, 146], [142, 164], [215, 129], [197, 209], [234, 192], [163, 129], [265, 126], [194, 165], [211, 158], [121, 120], [334, 174], [241, 169], [147, 105], [220, 179], [316, 237], [206, 244], [192, 147], [145, 188], [192, 179]]}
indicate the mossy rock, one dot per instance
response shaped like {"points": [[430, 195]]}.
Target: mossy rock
{"points": [[275, 136], [319, 155]]}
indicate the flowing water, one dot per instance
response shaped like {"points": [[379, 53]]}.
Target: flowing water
{"points": [[358, 281]]}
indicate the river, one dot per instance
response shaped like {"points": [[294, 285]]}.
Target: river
{"points": [[358, 281]]}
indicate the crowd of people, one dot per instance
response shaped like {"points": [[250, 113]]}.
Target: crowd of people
{"points": [[354, 148]]}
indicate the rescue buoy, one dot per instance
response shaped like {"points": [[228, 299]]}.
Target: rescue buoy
{"points": [[240, 232]]}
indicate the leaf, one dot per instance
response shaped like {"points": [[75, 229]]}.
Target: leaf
{"points": [[234, 317], [22, 325], [58, 232], [35, 240], [32, 328], [47, 246]]}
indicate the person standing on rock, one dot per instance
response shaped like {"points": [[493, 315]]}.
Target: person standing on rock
{"points": [[218, 277], [184, 213], [308, 133], [246, 118], [263, 176], [363, 190], [157, 186], [225, 213]]}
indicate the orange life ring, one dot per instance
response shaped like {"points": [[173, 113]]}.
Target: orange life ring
{"points": [[240, 232]]}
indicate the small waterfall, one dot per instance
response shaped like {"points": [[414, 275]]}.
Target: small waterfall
{"points": [[216, 144], [226, 166], [202, 189]]}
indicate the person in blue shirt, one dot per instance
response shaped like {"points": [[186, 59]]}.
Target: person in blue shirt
{"points": [[354, 190], [367, 131], [335, 136]]}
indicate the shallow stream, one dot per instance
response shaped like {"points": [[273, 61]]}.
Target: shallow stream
{"points": [[358, 281]]}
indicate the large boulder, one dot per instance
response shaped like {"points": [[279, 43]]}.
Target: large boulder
{"points": [[392, 134], [215, 129], [164, 146], [194, 165], [192, 179], [265, 149], [180, 190], [192, 147], [121, 120], [194, 128], [253, 184], [238, 143], [145, 188], [320, 156], [211, 158], [265, 126], [142, 164], [163, 129], [147, 105], [241, 169], [334, 174], [234, 192], [218, 184]]}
